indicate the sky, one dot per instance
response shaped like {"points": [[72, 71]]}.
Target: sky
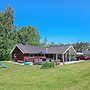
{"points": [[65, 21]]}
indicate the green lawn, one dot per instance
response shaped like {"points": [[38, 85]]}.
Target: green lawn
{"points": [[67, 77]]}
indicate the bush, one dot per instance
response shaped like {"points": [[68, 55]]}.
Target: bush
{"points": [[47, 65]]}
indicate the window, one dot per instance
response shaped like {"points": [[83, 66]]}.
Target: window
{"points": [[31, 55]]}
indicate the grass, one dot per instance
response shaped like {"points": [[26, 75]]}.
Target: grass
{"points": [[67, 77]]}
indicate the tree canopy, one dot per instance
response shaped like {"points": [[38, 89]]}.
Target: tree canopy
{"points": [[10, 35], [28, 35]]}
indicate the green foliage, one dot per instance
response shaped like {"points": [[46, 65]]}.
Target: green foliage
{"points": [[47, 65], [6, 28], [44, 42], [81, 46], [9, 35], [55, 44], [28, 35]]}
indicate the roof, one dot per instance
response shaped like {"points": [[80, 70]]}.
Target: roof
{"points": [[31, 49], [58, 49], [39, 49], [86, 52]]}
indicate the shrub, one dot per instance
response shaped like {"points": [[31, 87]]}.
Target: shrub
{"points": [[47, 65]]}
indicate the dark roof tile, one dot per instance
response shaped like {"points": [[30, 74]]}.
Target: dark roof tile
{"points": [[38, 49], [58, 49], [86, 52]]}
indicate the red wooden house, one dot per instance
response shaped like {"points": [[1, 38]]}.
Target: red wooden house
{"points": [[28, 52], [32, 53]]}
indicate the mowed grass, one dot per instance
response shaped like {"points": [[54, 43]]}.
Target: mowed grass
{"points": [[67, 77]]}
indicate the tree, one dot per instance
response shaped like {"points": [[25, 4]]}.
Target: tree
{"points": [[81, 46], [33, 36], [28, 35], [6, 28], [9, 35], [44, 42], [60, 44]]}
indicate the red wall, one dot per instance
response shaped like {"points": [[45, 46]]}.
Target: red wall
{"points": [[35, 58], [18, 54], [24, 57]]}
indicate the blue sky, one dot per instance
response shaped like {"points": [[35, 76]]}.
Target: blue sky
{"points": [[65, 21]]}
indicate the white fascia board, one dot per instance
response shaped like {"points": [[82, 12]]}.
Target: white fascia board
{"points": [[15, 47], [69, 48]]}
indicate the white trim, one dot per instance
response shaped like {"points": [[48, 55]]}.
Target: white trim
{"points": [[63, 58], [74, 49], [15, 47], [69, 48], [79, 53]]}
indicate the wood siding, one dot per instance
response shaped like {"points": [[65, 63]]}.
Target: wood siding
{"points": [[16, 52], [19, 55]]}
